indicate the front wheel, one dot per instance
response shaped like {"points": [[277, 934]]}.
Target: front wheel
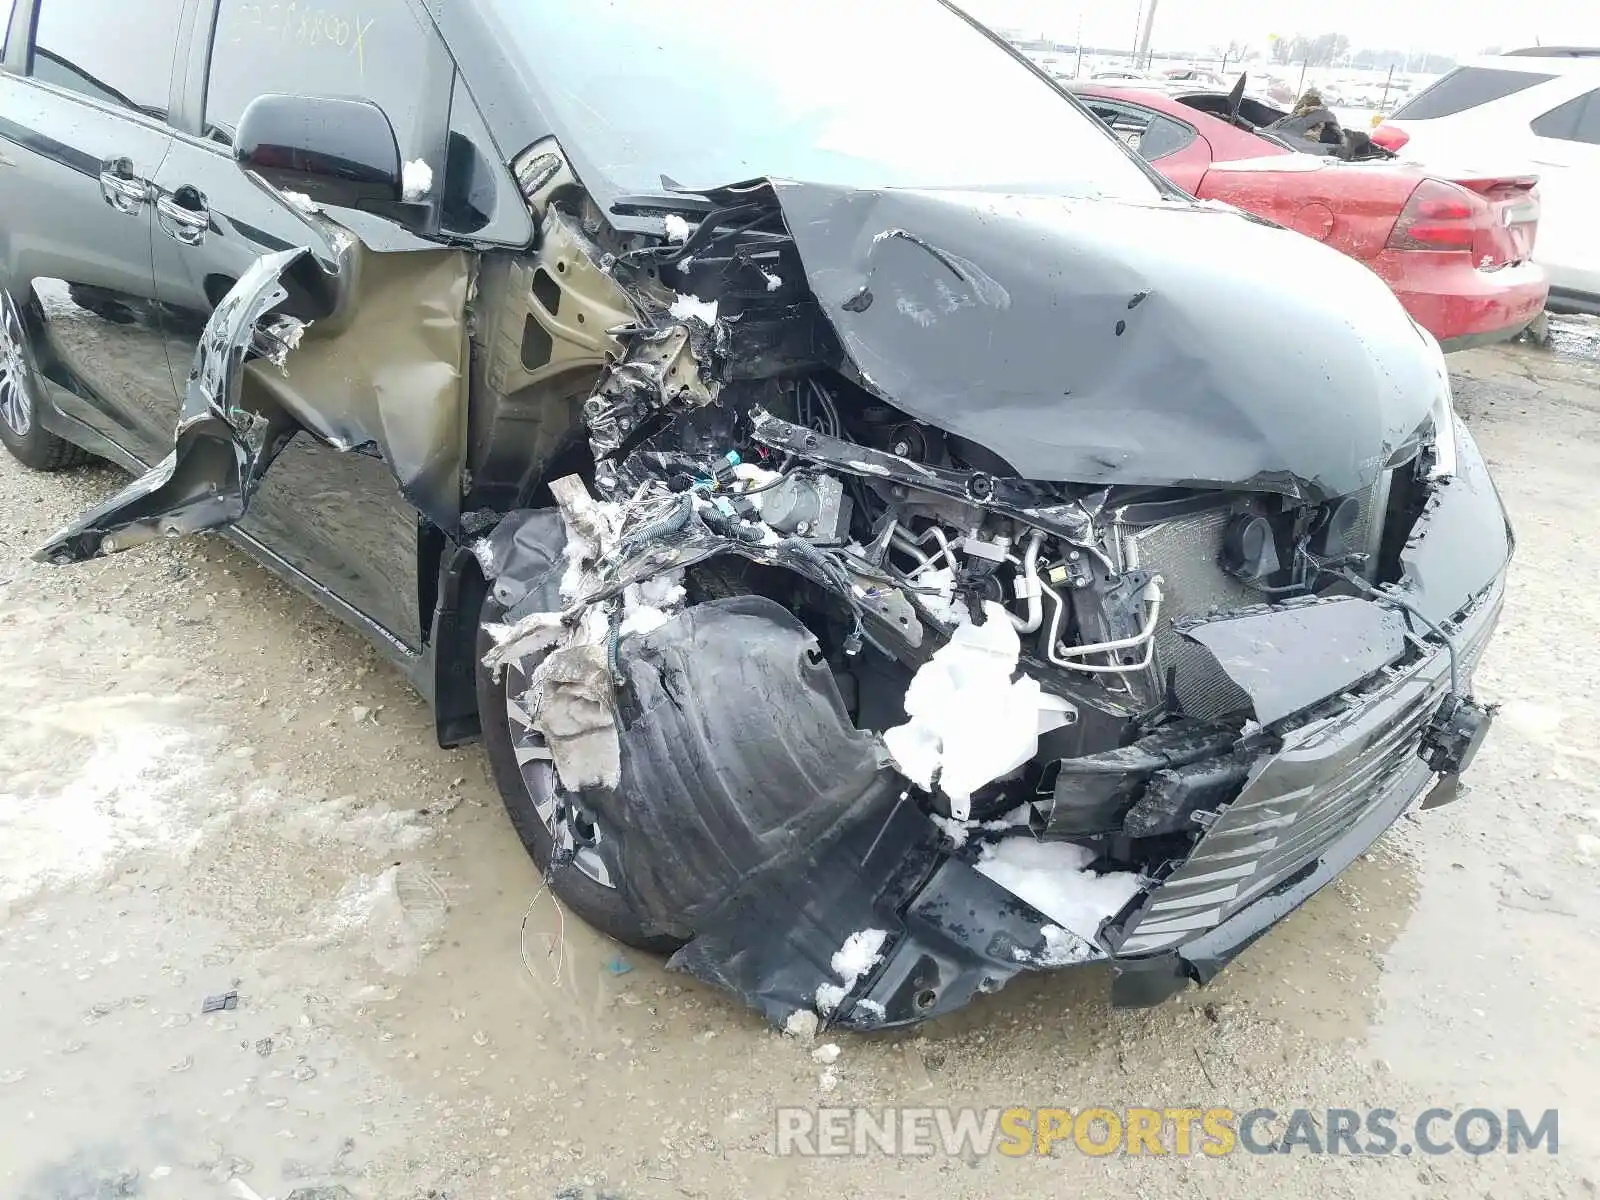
{"points": [[565, 841], [29, 442]]}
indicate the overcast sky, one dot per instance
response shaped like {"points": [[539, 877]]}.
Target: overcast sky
{"points": [[1444, 26]]}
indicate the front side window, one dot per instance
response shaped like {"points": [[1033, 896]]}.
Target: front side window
{"points": [[1578, 120], [374, 49], [116, 51], [1464, 88]]}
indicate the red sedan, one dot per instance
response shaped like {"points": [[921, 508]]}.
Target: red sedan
{"points": [[1456, 251]]}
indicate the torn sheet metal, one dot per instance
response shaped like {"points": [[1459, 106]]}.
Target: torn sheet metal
{"points": [[1461, 542], [385, 373], [1101, 342], [1288, 658], [220, 449]]}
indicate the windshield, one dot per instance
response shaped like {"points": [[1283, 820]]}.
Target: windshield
{"points": [[866, 93]]}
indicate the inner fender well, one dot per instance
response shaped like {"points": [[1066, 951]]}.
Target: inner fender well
{"points": [[737, 754]]}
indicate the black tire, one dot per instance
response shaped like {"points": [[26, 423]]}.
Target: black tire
{"points": [[605, 908], [30, 443]]}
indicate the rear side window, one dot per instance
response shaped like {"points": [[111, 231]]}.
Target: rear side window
{"points": [[1148, 134], [1578, 120], [120, 52], [1464, 88], [376, 50]]}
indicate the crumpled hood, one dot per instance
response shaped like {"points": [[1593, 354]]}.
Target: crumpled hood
{"points": [[1103, 342]]}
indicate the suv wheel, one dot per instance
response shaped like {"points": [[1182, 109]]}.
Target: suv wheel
{"points": [[563, 840], [31, 443]]}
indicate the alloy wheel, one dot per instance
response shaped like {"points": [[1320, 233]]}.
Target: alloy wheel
{"points": [[575, 835], [16, 380]]}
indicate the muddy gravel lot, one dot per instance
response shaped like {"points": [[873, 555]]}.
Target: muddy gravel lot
{"points": [[208, 786]]}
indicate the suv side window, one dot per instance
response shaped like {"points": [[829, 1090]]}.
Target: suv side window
{"points": [[1578, 120], [376, 50], [1464, 88], [120, 53]]}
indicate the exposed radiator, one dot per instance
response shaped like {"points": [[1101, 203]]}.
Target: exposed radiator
{"points": [[1186, 551]]}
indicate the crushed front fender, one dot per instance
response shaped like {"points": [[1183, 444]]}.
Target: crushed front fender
{"points": [[220, 450], [384, 372]]}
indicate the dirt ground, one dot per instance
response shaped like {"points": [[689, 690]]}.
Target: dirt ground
{"points": [[208, 785]]}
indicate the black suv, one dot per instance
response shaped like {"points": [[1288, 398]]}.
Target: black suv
{"points": [[885, 537]]}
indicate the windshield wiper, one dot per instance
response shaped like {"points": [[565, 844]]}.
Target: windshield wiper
{"points": [[662, 202]]}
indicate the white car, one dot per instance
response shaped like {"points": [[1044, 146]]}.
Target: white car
{"points": [[1538, 109]]}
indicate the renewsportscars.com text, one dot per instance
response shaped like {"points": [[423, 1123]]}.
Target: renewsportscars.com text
{"points": [[1211, 1132]]}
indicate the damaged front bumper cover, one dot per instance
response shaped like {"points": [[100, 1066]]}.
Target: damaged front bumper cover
{"points": [[1316, 803], [825, 843]]}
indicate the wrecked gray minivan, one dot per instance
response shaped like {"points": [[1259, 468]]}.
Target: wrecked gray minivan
{"points": [[887, 538]]}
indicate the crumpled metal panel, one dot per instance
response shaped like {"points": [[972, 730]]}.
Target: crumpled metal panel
{"points": [[1296, 655], [1462, 541], [1108, 342], [387, 375], [219, 449]]}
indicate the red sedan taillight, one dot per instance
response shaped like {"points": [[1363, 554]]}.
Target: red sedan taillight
{"points": [[1443, 216], [1438, 216]]}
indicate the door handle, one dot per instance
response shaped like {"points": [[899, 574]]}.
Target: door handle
{"points": [[121, 188], [184, 216]]}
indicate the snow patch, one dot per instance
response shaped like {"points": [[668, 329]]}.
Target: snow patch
{"points": [[1061, 949], [802, 1024], [1022, 814], [677, 229], [484, 553], [142, 782], [646, 606], [692, 308], [971, 723], [303, 202], [416, 181], [858, 955], [1053, 878], [774, 282], [956, 831], [944, 606]]}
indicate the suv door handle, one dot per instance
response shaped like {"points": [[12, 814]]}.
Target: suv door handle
{"points": [[121, 188], [183, 215]]}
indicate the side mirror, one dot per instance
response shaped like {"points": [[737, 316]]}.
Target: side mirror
{"points": [[337, 151]]}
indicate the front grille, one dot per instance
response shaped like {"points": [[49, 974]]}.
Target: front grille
{"points": [[1186, 551], [1326, 776], [1271, 831]]}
